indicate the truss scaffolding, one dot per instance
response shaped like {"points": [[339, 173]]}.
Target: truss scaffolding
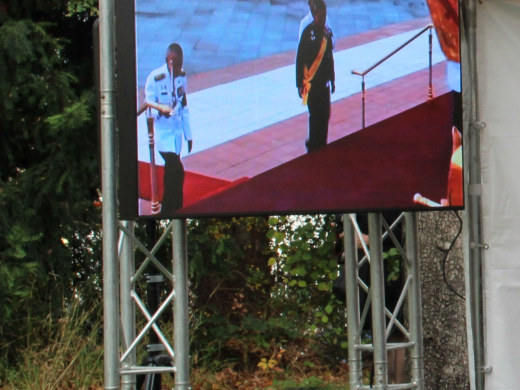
{"points": [[120, 275]]}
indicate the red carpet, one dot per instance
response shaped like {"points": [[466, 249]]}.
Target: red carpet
{"points": [[376, 169], [196, 187]]}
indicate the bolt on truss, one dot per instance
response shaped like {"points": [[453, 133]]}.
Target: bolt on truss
{"points": [[381, 327]]}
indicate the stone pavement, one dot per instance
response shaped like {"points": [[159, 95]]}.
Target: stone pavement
{"points": [[217, 34], [230, 110]]}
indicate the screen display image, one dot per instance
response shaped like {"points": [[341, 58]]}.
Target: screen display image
{"points": [[250, 107]]}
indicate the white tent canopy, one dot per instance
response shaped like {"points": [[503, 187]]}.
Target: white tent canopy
{"points": [[498, 68]]}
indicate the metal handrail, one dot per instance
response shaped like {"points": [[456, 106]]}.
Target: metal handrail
{"points": [[364, 73]]}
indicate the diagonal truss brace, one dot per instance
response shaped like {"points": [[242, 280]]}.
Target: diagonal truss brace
{"points": [[149, 324], [383, 237], [150, 256], [157, 330]]}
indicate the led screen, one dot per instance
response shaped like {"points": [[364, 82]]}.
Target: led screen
{"points": [[250, 107]]}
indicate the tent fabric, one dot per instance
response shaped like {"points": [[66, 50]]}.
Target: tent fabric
{"points": [[498, 61]]}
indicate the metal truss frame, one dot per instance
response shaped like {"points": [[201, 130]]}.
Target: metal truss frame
{"points": [[376, 301], [123, 374], [114, 367]]}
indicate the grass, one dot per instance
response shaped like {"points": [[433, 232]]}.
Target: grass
{"points": [[309, 383], [67, 353], [64, 354]]}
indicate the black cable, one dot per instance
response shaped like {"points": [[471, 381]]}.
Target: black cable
{"points": [[446, 257]]}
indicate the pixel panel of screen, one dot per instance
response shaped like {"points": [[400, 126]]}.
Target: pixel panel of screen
{"points": [[248, 107]]}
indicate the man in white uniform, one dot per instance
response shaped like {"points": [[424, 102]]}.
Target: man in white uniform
{"points": [[166, 88], [167, 85]]}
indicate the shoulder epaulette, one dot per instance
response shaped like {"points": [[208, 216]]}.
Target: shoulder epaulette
{"points": [[159, 77]]}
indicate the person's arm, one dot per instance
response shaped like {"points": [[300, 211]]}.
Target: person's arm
{"points": [[149, 92], [331, 67], [149, 89], [300, 64], [186, 127], [327, 23], [358, 241], [185, 116]]}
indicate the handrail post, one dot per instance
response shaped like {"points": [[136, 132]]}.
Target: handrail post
{"points": [[363, 101], [363, 74], [430, 90]]}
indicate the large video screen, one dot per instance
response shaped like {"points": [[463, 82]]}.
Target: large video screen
{"points": [[251, 107]]}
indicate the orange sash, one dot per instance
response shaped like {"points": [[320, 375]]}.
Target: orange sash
{"points": [[308, 74]]}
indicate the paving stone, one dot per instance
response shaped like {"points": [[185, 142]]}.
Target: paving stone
{"points": [[259, 28]]}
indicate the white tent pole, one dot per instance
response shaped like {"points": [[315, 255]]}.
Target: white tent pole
{"points": [[473, 213]]}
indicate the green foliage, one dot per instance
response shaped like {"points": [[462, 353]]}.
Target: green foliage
{"points": [[393, 264], [49, 228], [305, 271], [231, 283], [82, 6]]}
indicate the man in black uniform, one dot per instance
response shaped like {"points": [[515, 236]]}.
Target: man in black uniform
{"points": [[315, 74]]}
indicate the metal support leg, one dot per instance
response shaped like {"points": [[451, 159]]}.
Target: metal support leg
{"points": [[377, 289], [127, 263], [351, 276], [108, 164], [414, 302], [180, 322]]}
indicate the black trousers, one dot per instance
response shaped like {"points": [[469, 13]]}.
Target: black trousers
{"points": [[173, 183], [318, 103]]}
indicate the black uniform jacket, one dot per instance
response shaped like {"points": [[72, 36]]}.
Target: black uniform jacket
{"points": [[308, 50]]}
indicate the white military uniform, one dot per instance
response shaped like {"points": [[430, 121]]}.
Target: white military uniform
{"points": [[160, 88]]}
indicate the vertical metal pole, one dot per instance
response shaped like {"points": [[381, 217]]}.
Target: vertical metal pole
{"points": [[430, 39], [377, 289], [180, 309], [108, 164], [351, 276], [474, 210], [127, 261], [152, 303], [414, 302], [363, 98]]}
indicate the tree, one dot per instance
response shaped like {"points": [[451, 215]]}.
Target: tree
{"points": [[49, 227], [444, 313], [230, 286]]}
